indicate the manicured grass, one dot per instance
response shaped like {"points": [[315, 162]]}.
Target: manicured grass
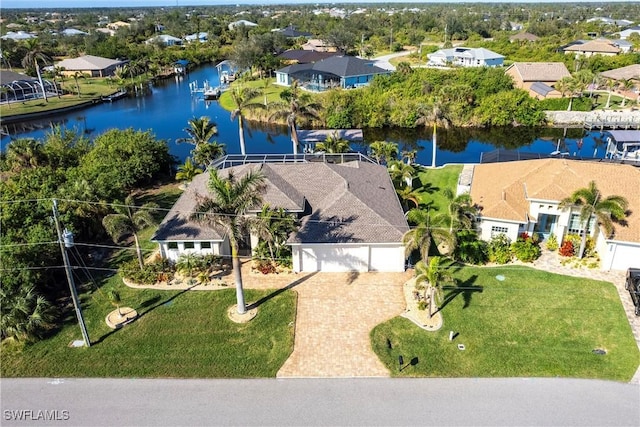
{"points": [[272, 91], [89, 89], [183, 334], [432, 183], [532, 324]]}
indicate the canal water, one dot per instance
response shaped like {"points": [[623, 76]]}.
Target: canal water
{"points": [[166, 109]]}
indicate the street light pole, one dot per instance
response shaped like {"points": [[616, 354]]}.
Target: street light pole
{"points": [[65, 243]]}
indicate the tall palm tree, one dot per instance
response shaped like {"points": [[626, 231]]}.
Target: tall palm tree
{"points": [[435, 273], [187, 171], [204, 154], [383, 151], [24, 153], [31, 58], [461, 210], [567, 85], [243, 100], [78, 75], [232, 197], [333, 144], [591, 204], [201, 130], [434, 114], [610, 84], [625, 84], [296, 105], [401, 174], [129, 219]]}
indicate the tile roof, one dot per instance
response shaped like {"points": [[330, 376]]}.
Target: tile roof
{"points": [[540, 71], [352, 202], [502, 189], [88, 62], [625, 73], [593, 46], [524, 36]]}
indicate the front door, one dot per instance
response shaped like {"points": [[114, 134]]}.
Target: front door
{"points": [[546, 225]]}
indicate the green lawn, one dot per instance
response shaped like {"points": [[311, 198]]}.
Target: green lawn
{"points": [[432, 183], [272, 91], [179, 334], [90, 88], [532, 324]]}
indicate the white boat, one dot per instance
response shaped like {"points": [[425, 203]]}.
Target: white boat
{"points": [[212, 93], [623, 145]]}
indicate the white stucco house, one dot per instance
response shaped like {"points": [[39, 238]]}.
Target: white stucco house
{"points": [[465, 57], [524, 196], [350, 215]]}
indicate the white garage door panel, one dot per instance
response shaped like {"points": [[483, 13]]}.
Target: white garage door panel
{"points": [[625, 256], [334, 259], [389, 259]]}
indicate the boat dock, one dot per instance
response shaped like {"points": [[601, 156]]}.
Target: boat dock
{"points": [[612, 122]]}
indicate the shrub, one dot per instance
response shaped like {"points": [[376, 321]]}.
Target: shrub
{"points": [[264, 266], [469, 248], [526, 250], [149, 274], [499, 249], [567, 248], [422, 305], [552, 243]]}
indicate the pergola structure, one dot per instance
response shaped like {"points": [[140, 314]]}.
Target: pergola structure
{"points": [[20, 87]]}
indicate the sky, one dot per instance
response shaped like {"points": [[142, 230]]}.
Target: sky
{"points": [[52, 4]]}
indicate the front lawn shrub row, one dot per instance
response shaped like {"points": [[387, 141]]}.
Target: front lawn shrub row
{"points": [[526, 248], [160, 270]]}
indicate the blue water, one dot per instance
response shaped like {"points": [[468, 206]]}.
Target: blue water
{"points": [[166, 110]]}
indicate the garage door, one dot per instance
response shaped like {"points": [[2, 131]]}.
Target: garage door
{"points": [[624, 256], [334, 259]]}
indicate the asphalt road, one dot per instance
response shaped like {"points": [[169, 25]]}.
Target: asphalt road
{"points": [[348, 402]]}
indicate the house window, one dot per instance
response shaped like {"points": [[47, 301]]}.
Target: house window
{"points": [[205, 245], [172, 245], [575, 225], [189, 245], [496, 230]]}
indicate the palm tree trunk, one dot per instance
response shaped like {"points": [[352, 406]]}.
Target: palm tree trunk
{"points": [[294, 138], [44, 92], [237, 274], [431, 298], [608, 100], [241, 133], [570, 102], [435, 144], [583, 240], [138, 251]]}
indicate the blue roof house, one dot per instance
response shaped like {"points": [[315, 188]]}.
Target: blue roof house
{"points": [[336, 71]]}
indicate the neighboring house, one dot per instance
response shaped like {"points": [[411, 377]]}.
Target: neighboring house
{"points": [[165, 39], [17, 36], [20, 86], [318, 45], [466, 57], [624, 45], [630, 72], [291, 32], [524, 37], [107, 31], [201, 37], [625, 34], [297, 56], [524, 196], [538, 78], [592, 47], [241, 22], [73, 32], [93, 66], [117, 25], [609, 21], [350, 216], [336, 71]]}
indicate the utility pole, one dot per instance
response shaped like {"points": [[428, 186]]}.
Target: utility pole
{"points": [[67, 242]]}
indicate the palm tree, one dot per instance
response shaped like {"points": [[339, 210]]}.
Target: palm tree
{"points": [[187, 171], [242, 98], [232, 197], [78, 75], [567, 85], [30, 60], [461, 210], [129, 219], [114, 298], [401, 174], [24, 315], [409, 156], [419, 237], [383, 151], [435, 273], [610, 84], [590, 202], [24, 153], [625, 84], [433, 115], [204, 154], [295, 105], [333, 144], [201, 131]]}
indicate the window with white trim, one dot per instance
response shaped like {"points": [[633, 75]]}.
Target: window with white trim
{"points": [[575, 225], [189, 245], [205, 245], [496, 230], [172, 245]]}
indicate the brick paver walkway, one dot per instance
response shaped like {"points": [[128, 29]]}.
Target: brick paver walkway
{"points": [[336, 313]]}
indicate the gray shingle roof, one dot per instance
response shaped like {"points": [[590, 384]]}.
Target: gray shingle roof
{"points": [[343, 66], [352, 202], [541, 88], [88, 62]]}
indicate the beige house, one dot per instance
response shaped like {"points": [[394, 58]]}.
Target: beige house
{"points": [[524, 37], [538, 78], [524, 196], [318, 45], [92, 66], [593, 47], [117, 25]]}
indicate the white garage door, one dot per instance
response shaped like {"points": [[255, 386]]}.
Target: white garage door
{"points": [[334, 259], [624, 256]]}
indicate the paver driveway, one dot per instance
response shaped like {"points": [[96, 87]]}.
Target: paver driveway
{"points": [[336, 312]]}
